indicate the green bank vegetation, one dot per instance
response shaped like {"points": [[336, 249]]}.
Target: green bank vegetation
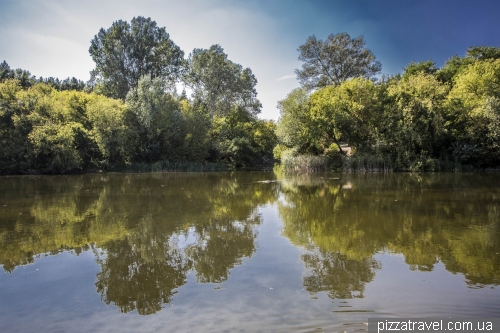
{"points": [[129, 115], [426, 119]]}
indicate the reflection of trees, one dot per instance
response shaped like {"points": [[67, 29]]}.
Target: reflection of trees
{"points": [[337, 275], [452, 218], [136, 222], [221, 245], [142, 271], [53, 214]]}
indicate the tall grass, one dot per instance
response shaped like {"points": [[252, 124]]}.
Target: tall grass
{"points": [[166, 165], [306, 164], [367, 163]]}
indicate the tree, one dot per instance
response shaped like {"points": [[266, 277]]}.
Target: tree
{"points": [[5, 72], [346, 113], [292, 129], [157, 118], [483, 52], [335, 60], [24, 77], [427, 67], [474, 102], [220, 82], [414, 121], [126, 52]]}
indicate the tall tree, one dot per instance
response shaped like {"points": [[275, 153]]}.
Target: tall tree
{"points": [[335, 60], [483, 52], [157, 117], [126, 52], [221, 82]]}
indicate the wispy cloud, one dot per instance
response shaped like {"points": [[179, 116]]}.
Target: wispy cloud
{"points": [[287, 77]]}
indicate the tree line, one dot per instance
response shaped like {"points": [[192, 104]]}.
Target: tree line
{"points": [[344, 115], [130, 112], [425, 119]]}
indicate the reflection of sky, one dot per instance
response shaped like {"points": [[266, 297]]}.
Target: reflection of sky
{"points": [[51, 38], [265, 292]]}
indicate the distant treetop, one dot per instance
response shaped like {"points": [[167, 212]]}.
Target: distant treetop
{"points": [[335, 60]]}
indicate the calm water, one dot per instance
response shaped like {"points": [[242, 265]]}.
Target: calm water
{"points": [[234, 252]]}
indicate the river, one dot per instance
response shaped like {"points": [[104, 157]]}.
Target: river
{"points": [[245, 251]]}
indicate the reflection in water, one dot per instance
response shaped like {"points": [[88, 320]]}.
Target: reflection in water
{"points": [[150, 231], [143, 270], [221, 245], [136, 222], [338, 275], [450, 218]]}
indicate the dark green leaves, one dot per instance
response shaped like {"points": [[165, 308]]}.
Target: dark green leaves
{"points": [[126, 52], [335, 60]]}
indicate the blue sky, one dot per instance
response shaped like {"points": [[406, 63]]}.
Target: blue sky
{"points": [[52, 37]]}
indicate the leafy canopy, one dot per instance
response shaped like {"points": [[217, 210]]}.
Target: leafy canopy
{"points": [[335, 60], [126, 52], [221, 82]]}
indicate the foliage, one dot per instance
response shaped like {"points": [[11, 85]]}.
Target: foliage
{"points": [[292, 129], [427, 67], [50, 131], [220, 82], [27, 80], [335, 60], [346, 113], [414, 121], [156, 118], [126, 52], [241, 140], [426, 119], [305, 163], [474, 102]]}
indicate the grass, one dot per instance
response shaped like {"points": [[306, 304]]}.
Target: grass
{"points": [[166, 165], [367, 163], [306, 164]]}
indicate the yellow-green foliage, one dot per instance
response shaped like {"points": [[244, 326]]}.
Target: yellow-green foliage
{"points": [[59, 131], [476, 83], [426, 119], [474, 103], [345, 113]]}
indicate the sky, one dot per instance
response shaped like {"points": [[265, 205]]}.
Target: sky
{"points": [[52, 37]]}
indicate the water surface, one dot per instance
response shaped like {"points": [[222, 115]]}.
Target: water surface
{"points": [[249, 251]]}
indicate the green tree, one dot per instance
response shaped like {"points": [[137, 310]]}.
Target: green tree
{"points": [[126, 52], [483, 52], [196, 131], [414, 121], [346, 113], [5, 72], [221, 83], [14, 128], [114, 139], [157, 119], [428, 67], [335, 60], [292, 129], [474, 107]]}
